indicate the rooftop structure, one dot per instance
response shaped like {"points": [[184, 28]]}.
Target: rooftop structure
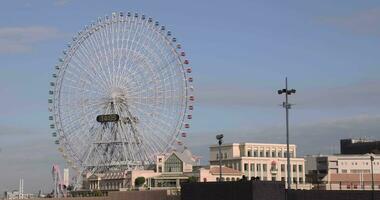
{"points": [[359, 146]]}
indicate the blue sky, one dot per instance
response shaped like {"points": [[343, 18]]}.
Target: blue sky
{"points": [[240, 53]]}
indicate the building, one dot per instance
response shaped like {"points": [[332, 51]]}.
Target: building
{"points": [[169, 172], [266, 161], [342, 172], [359, 146]]}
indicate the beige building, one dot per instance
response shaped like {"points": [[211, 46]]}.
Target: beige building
{"points": [[266, 161], [347, 172]]}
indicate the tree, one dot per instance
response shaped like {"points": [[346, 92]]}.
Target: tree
{"points": [[139, 181], [192, 179]]}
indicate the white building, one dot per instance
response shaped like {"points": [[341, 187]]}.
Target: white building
{"points": [[342, 172], [266, 161]]}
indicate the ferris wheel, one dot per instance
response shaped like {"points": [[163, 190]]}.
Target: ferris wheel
{"points": [[122, 93]]}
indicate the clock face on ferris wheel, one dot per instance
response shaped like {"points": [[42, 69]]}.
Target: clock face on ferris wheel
{"points": [[122, 93]]}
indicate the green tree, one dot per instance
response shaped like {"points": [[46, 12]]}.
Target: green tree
{"points": [[139, 181], [192, 179]]}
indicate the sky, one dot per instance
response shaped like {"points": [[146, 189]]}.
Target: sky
{"points": [[240, 51]]}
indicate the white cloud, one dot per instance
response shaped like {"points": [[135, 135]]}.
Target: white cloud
{"points": [[22, 39]]}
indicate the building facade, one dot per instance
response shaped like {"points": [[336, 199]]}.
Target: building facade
{"points": [[266, 161], [345, 172]]}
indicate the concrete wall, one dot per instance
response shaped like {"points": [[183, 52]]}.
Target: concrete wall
{"points": [[240, 190], [331, 195]]}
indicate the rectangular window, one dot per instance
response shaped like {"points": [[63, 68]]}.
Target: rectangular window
{"points": [[258, 167], [300, 168], [294, 180], [291, 155], [267, 153], [255, 153], [283, 179], [282, 167], [279, 154], [249, 153], [300, 180], [294, 168], [245, 166], [252, 167], [264, 167], [261, 153], [273, 178], [273, 154]]}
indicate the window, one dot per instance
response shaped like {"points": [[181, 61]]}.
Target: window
{"points": [[173, 164], [273, 178], [261, 153], [267, 153], [227, 179], [258, 167], [252, 167], [300, 180], [159, 169], [279, 154], [249, 153], [294, 180], [160, 160], [344, 171], [204, 179], [294, 168], [225, 155], [232, 179], [283, 179], [282, 167], [264, 167], [273, 154], [300, 168], [245, 166], [255, 153]]}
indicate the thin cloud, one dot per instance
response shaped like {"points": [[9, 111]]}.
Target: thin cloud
{"points": [[363, 22], [360, 94], [61, 2], [22, 39], [314, 138]]}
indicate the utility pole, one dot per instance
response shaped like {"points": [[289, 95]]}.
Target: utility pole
{"points": [[287, 106], [373, 182], [220, 141]]}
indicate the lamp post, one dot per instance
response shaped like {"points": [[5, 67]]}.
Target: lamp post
{"points": [[287, 106], [220, 141], [373, 183]]}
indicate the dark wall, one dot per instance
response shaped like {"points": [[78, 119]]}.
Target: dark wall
{"points": [[347, 147], [239, 190], [331, 195]]}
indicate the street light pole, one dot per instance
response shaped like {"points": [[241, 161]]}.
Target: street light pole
{"points": [[220, 141], [373, 183], [287, 106]]}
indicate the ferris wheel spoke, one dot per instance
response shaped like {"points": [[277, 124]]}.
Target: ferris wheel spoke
{"points": [[123, 65]]}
